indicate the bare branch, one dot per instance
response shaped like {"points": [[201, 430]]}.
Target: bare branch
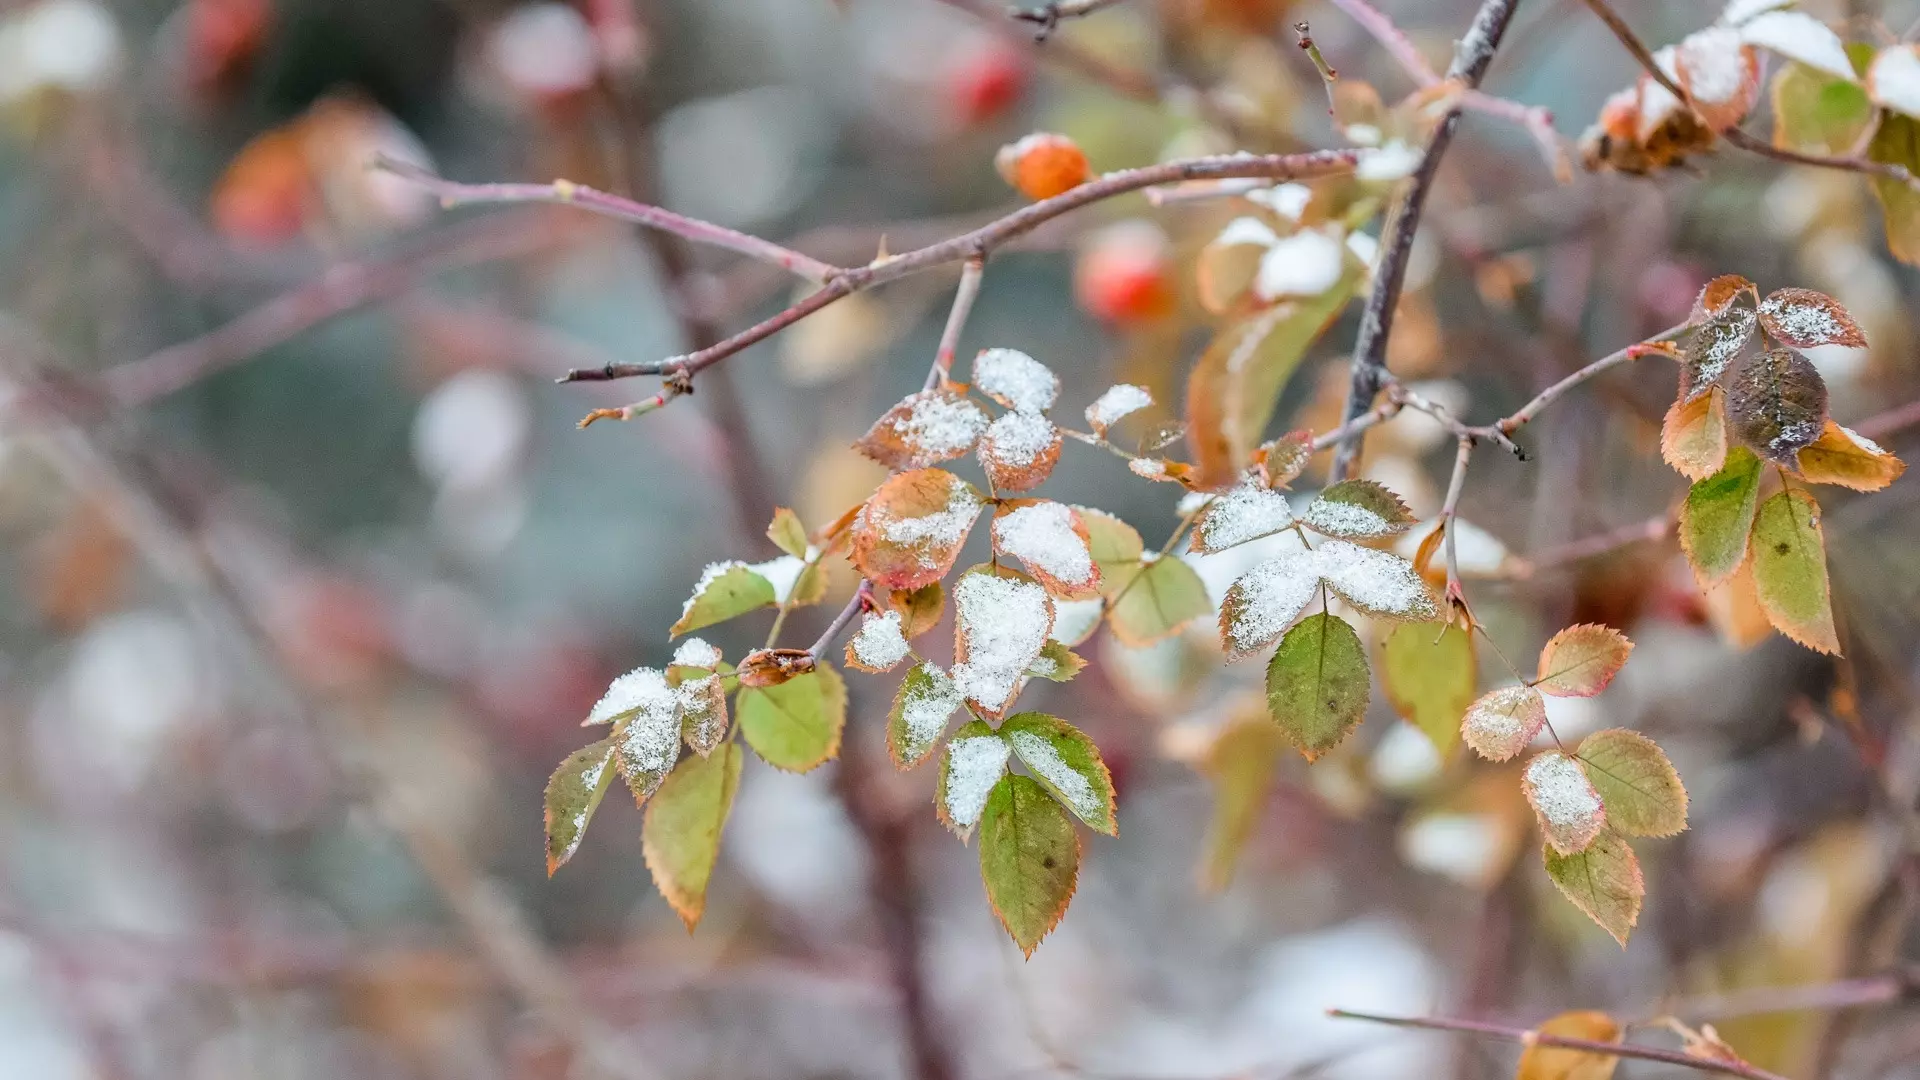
{"points": [[1369, 369], [567, 193], [979, 242], [1551, 394], [1392, 38], [1528, 1037], [963, 297], [1048, 17]]}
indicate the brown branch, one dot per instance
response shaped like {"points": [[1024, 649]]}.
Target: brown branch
{"points": [[337, 291], [567, 193], [1126, 82], [1048, 17], [1369, 368], [963, 297], [977, 243], [1655, 528], [1521, 416], [1528, 1037], [1882, 989]]}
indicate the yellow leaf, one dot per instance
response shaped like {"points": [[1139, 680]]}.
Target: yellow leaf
{"points": [[1556, 1063]]}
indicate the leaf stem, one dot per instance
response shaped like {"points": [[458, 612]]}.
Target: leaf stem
{"points": [[1529, 1037]]}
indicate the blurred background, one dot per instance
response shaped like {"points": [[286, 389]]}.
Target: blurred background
{"points": [[308, 577]]}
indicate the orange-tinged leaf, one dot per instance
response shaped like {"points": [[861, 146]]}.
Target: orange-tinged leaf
{"points": [[925, 429], [680, 836], [913, 527], [1581, 660], [1719, 294], [1564, 799], [1803, 318], [1019, 451], [1604, 881], [1788, 551], [1502, 722], [1693, 437], [1558, 1063], [1051, 541], [1849, 459], [1733, 607], [1241, 764], [1029, 859], [1285, 458], [1720, 75], [919, 609]]}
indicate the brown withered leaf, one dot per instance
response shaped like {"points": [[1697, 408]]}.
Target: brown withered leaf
{"points": [[1719, 294], [1712, 348], [771, 667], [919, 609], [1285, 458], [1777, 404], [1802, 319]]}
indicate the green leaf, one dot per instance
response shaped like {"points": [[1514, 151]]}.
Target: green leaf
{"points": [[1318, 683], [1241, 765], [1776, 404], [796, 725], [1818, 113], [975, 760], [1067, 763], [573, 794], [1604, 881], [1155, 599], [1235, 386], [1717, 516], [1115, 546], [1029, 859], [723, 591], [1056, 663], [787, 533], [1357, 510], [924, 703], [1642, 791], [1428, 670], [1897, 142], [1790, 570], [680, 836]]}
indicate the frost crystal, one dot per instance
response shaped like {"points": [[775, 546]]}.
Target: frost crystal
{"points": [[696, 652], [1016, 380], [940, 529], [641, 688], [1375, 581], [880, 644], [1044, 760], [1345, 519], [1266, 600], [1563, 794], [1248, 512], [1017, 439], [1307, 263], [1862, 441], [651, 739], [974, 765], [1801, 321], [939, 425], [1147, 468], [1715, 66], [924, 711], [1004, 622], [1043, 537], [1501, 723], [1122, 400]]}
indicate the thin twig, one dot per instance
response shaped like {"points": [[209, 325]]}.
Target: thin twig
{"points": [[1520, 417], [971, 273], [1528, 1037], [1369, 368], [1463, 453], [1126, 82], [1395, 41], [979, 242], [452, 193], [1386, 410], [1048, 17], [1843, 994], [854, 605]]}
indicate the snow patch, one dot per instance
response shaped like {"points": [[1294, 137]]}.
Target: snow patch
{"points": [[974, 765]]}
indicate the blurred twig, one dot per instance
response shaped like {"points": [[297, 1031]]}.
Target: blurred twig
{"points": [[1529, 1037]]}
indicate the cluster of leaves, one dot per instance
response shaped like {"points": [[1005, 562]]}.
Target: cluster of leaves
{"points": [[1830, 97], [1748, 400]]}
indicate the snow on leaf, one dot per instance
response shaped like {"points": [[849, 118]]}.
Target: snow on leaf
{"points": [[795, 725], [1358, 510], [1893, 81], [647, 737], [1580, 661], [680, 835], [1019, 450], [1151, 599], [1015, 380], [696, 652], [1395, 161], [1428, 671], [1790, 570], [725, 589], [1803, 318], [1693, 437], [1283, 459], [1720, 74], [1377, 582], [1248, 512], [1308, 263], [642, 689], [975, 760], [1225, 268], [1029, 859], [1117, 402], [1718, 514], [1714, 346], [1799, 36], [879, 645], [925, 702], [925, 429], [1066, 763], [1642, 792], [1318, 684], [573, 794], [1570, 811], [1266, 600], [1851, 460], [1001, 624], [1739, 11], [1502, 722], [920, 609], [1074, 621], [1538, 1062], [1777, 404], [793, 580], [703, 712], [1049, 538], [912, 528], [1604, 881]]}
